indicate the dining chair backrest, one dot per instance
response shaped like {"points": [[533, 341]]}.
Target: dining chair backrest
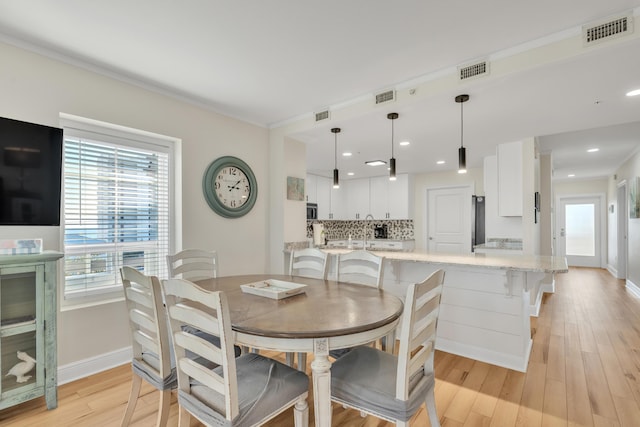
{"points": [[182, 298], [361, 267], [309, 262], [394, 387], [418, 331], [150, 340], [193, 264], [238, 391]]}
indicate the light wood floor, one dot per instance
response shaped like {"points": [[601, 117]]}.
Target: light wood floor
{"points": [[584, 371]]}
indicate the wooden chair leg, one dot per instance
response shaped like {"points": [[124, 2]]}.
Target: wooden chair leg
{"points": [[302, 362], [136, 383], [184, 418], [301, 413], [289, 358], [430, 402], [163, 410]]}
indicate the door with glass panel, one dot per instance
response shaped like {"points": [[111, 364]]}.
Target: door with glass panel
{"points": [[578, 230]]}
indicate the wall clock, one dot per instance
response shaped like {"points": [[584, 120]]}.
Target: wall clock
{"points": [[230, 187]]}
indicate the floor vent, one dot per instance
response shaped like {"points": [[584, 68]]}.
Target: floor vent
{"points": [[612, 28], [322, 115], [387, 96], [478, 69]]}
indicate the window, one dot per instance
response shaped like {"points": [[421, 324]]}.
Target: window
{"points": [[116, 206]]}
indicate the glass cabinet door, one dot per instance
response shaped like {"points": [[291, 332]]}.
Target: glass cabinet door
{"points": [[20, 325]]}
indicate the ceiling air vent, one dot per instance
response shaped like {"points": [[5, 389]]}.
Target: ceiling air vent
{"points": [[612, 28], [322, 115], [478, 69], [387, 96]]}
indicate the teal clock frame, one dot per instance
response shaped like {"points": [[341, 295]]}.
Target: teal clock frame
{"points": [[209, 192]]}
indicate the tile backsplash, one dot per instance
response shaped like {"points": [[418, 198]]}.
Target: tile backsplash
{"points": [[399, 229]]}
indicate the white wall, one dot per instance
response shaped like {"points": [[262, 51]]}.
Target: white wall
{"points": [[37, 89], [546, 204], [630, 170], [295, 158]]}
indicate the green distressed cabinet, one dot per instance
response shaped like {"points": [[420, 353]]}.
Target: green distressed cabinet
{"points": [[28, 355]]}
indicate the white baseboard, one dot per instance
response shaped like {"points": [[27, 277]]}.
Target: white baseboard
{"points": [[93, 365], [612, 270], [633, 288], [549, 288], [509, 361], [534, 309]]}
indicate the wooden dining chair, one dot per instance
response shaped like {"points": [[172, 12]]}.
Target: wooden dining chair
{"points": [[394, 387], [193, 264], [150, 341], [245, 391], [361, 267], [309, 262]]}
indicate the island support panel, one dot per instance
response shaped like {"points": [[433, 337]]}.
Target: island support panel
{"points": [[484, 312]]}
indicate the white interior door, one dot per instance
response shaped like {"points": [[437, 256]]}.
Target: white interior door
{"points": [[579, 230], [449, 220]]}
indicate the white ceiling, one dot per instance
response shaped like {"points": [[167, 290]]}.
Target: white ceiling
{"points": [[276, 62]]}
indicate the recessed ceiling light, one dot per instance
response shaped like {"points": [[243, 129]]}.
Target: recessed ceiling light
{"points": [[592, 150], [634, 92], [440, 162], [375, 163], [350, 173], [347, 154], [405, 143], [571, 175]]}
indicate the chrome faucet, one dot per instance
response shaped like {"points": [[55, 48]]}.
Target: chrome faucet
{"points": [[366, 230]]}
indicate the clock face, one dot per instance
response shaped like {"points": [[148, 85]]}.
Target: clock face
{"points": [[230, 187]]}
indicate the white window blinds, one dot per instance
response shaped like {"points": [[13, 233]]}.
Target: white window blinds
{"points": [[116, 210]]}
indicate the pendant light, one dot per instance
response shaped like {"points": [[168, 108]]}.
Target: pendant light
{"points": [[392, 161], [462, 152], [336, 180]]}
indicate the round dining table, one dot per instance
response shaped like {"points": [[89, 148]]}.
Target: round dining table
{"points": [[326, 315]]}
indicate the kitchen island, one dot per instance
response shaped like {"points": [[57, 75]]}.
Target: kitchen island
{"points": [[485, 307]]}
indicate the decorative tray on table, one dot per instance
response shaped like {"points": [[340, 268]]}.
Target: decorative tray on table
{"points": [[274, 289]]}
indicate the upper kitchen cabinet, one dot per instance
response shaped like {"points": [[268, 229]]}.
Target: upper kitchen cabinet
{"points": [[357, 198], [337, 209], [391, 199], [322, 193], [311, 188], [510, 190]]}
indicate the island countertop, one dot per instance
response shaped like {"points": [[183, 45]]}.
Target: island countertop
{"points": [[518, 262]]}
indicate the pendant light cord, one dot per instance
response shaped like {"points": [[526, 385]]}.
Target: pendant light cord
{"points": [[392, 138], [461, 124], [335, 150]]}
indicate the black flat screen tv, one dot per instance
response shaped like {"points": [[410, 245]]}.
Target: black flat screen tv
{"points": [[30, 173]]}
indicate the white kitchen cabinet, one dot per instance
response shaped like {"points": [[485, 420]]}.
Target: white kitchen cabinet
{"points": [[323, 196], [311, 189], [510, 190], [357, 199], [390, 199], [337, 204], [391, 245]]}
